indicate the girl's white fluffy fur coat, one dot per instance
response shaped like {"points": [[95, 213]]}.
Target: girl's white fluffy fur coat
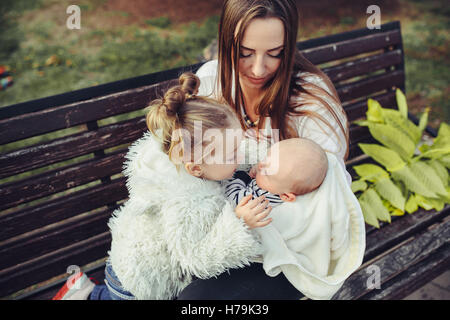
{"points": [[173, 226]]}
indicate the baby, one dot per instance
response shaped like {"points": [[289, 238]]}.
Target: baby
{"points": [[319, 246], [292, 167]]}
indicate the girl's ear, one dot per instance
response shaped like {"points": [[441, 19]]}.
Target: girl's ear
{"points": [[194, 169], [288, 197]]}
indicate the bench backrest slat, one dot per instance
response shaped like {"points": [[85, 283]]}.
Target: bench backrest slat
{"points": [[54, 263], [24, 248], [57, 180], [348, 48], [57, 118], [358, 110], [69, 147], [372, 85], [364, 65], [63, 207], [62, 156]]}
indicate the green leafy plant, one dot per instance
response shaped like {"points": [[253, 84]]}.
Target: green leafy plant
{"points": [[409, 173]]}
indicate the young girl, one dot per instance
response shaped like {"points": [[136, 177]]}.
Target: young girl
{"points": [[177, 224]]}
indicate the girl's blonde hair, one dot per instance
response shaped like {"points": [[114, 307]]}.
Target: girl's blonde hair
{"points": [[181, 111]]}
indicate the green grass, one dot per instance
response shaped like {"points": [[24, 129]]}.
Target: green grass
{"points": [[426, 45], [44, 65], [50, 60]]}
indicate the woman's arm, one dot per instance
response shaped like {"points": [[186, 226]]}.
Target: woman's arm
{"points": [[208, 79], [332, 139]]}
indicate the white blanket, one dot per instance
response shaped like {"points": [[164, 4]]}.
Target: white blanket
{"points": [[317, 241]]}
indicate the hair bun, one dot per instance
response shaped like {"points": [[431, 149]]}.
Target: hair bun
{"points": [[176, 96], [189, 83], [173, 100]]}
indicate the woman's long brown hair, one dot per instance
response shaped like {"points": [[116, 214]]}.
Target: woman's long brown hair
{"points": [[277, 101]]}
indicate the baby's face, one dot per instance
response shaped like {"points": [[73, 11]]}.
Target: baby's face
{"points": [[271, 175], [292, 167]]}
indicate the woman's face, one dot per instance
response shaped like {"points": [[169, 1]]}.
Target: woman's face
{"points": [[261, 50]]}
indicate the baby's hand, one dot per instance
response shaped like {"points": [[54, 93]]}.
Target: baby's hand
{"points": [[252, 172], [254, 211]]}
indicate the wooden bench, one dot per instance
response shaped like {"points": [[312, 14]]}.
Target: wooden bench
{"points": [[62, 156]]}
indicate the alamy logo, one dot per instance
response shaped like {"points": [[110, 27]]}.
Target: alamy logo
{"points": [[374, 21], [75, 273], [374, 281], [74, 20], [216, 146]]}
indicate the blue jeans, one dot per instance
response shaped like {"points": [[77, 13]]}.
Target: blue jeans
{"points": [[112, 289]]}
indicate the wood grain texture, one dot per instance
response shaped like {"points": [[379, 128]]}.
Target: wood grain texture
{"points": [[396, 261], [66, 148]]}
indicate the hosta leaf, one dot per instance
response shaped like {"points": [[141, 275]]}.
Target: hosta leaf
{"points": [[368, 211], [445, 161], [389, 191], [393, 118], [411, 205], [401, 103], [386, 157], [424, 148], [424, 119], [394, 139], [361, 123], [428, 177], [423, 202], [372, 198], [443, 138], [437, 204], [435, 153], [370, 172], [397, 212], [374, 111], [441, 171], [358, 185], [446, 198], [429, 204], [413, 183]]}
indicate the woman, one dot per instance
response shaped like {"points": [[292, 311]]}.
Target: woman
{"points": [[271, 85]]}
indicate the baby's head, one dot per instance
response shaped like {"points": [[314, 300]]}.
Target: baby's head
{"points": [[292, 167], [198, 133]]}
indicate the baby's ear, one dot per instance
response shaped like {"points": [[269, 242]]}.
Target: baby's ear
{"points": [[288, 197]]}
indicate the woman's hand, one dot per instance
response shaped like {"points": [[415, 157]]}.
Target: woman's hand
{"points": [[254, 211]]}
